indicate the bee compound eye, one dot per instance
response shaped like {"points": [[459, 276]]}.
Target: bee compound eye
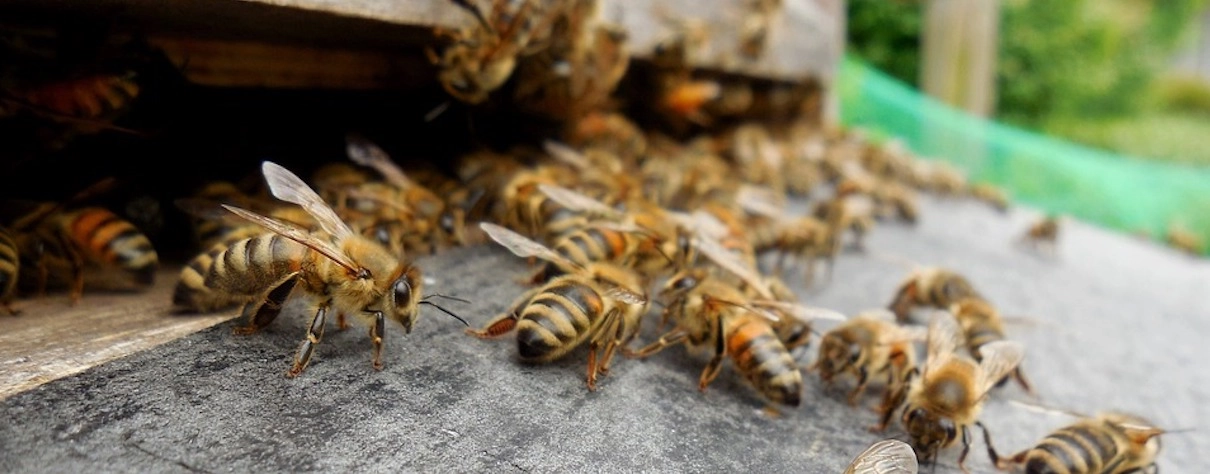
{"points": [[403, 291]]}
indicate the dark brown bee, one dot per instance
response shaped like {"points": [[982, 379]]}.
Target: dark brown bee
{"points": [[868, 347], [600, 304], [1044, 234], [1109, 443]]}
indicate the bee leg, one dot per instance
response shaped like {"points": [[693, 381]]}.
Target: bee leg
{"points": [[315, 333], [891, 401], [259, 315], [1001, 463], [341, 322], [377, 330], [672, 338], [504, 323], [716, 363], [613, 329], [966, 448], [902, 304], [1019, 376], [863, 379]]}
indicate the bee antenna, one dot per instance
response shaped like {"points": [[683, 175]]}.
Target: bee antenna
{"points": [[446, 311], [448, 297]]}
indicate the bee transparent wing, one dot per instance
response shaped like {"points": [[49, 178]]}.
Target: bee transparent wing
{"points": [[523, 246], [299, 235], [999, 359], [566, 154], [944, 338], [730, 262], [366, 153], [889, 456], [878, 314], [578, 202], [625, 296], [760, 201], [706, 224], [287, 186], [203, 208], [897, 333], [801, 312]]}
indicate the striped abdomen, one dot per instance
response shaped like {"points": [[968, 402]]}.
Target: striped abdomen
{"points": [[191, 292], [10, 265], [248, 267], [107, 239], [1084, 447], [947, 289], [592, 244], [761, 357], [557, 319]]}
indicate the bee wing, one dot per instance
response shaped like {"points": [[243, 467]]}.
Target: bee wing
{"points": [[944, 338], [566, 154], [706, 224], [287, 186], [719, 255], [366, 153], [897, 333], [202, 208], [889, 456], [578, 202], [801, 312], [759, 200], [299, 235], [878, 314], [999, 358], [523, 246], [625, 296]]}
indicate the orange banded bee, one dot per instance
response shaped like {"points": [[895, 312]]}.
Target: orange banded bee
{"points": [[90, 246], [600, 304], [981, 324]]}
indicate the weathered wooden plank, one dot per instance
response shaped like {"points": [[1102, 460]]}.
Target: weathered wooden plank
{"points": [[805, 38], [51, 339]]}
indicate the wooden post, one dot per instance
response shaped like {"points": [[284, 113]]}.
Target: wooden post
{"points": [[958, 49]]}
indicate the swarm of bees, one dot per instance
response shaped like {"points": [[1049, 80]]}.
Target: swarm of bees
{"points": [[618, 221]]}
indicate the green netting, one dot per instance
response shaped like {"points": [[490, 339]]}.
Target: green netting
{"points": [[1117, 191]]}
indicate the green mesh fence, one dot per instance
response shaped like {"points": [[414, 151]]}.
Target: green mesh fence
{"points": [[1116, 191]]}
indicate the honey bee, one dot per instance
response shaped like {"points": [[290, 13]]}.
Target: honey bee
{"points": [[1109, 443], [993, 195], [868, 346], [221, 229], [941, 405], [982, 325], [755, 27], [482, 57], [414, 212], [1182, 239], [717, 315], [601, 304], [930, 286], [10, 270], [88, 246], [335, 267], [889, 456], [1044, 234]]}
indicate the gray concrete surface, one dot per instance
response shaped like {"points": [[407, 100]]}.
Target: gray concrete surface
{"points": [[1116, 324]]}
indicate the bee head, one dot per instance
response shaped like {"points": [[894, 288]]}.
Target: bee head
{"points": [[404, 295], [929, 431], [836, 355]]}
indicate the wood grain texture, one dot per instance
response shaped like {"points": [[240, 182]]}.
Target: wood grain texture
{"points": [[51, 339], [806, 37]]}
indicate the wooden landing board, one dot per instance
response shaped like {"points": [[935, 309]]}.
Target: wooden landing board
{"points": [[51, 339]]}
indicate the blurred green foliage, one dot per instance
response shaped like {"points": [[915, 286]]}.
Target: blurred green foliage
{"points": [[1058, 61]]}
